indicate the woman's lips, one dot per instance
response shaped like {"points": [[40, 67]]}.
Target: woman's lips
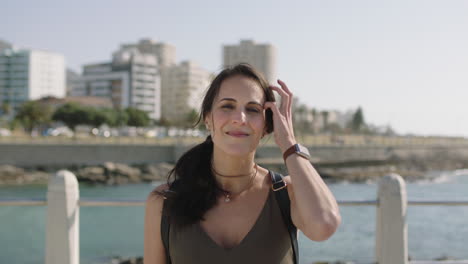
{"points": [[237, 134]]}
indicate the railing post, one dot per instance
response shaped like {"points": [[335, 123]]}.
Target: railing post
{"points": [[391, 235], [62, 225]]}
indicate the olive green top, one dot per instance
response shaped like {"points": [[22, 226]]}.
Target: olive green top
{"points": [[267, 242]]}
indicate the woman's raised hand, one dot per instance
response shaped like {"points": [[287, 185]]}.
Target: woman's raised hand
{"points": [[282, 117]]}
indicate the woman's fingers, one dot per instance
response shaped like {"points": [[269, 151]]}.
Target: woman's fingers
{"points": [[290, 95], [273, 107], [284, 86], [284, 98]]}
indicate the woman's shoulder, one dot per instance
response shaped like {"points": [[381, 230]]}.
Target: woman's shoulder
{"points": [[154, 249], [155, 199], [286, 178]]}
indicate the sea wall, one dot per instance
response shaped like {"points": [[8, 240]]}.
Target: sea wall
{"points": [[30, 155]]}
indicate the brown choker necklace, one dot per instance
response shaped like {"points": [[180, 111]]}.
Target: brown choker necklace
{"points": [[234, 176], [230, 195]]}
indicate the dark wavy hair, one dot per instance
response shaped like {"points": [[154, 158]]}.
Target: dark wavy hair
{"points": [[192, 187]]}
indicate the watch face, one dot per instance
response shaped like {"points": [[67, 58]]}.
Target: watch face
{"points": [[303, 151]]}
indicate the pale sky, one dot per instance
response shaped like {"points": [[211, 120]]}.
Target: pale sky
{"points": [[404, 62]]}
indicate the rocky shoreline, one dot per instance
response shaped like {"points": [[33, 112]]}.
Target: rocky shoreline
{"points": [[411, 168], [108, 173]]}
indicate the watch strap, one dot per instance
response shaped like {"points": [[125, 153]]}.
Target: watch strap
{"points": [[289, 151]]}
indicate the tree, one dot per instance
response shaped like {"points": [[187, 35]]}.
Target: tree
{"points": [[121, 118], [32, 114], [325, 115], [300, 121], [5, 109], [357, 122], [191, 118], [164, 122], [137, 117], [72, 114]]}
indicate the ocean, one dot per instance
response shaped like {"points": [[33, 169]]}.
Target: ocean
{"points": [[433, 231]]}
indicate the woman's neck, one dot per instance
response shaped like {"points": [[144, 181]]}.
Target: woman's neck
{"points": [[232, 173]]}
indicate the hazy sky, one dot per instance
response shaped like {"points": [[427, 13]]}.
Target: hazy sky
{"points": [[404, 62]]}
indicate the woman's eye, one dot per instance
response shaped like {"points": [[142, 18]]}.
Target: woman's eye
{"points": [[253, 110], [227, 107]]}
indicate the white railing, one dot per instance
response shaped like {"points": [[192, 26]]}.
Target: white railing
{"points": [[63, 203]]}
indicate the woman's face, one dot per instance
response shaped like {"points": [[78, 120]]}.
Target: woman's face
{"points": [[237, 118]]}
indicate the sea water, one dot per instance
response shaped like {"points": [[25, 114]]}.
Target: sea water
{"points": [[433, 231]]}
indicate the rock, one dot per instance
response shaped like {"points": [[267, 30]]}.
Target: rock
{"points": [[119, 180], [155, 172], [91, 174], [37, 177], [132, 174], [119, 260], [13, 175], [8, 171], [445, 257], [113, 170]]}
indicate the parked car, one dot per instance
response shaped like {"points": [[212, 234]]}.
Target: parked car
{"points": [[5, 132], [59, 131]]}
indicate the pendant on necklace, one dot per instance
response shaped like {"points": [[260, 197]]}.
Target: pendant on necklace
{"points": [[227, 198]]}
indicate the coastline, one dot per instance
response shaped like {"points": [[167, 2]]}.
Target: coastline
{"points": [[411, 168]]}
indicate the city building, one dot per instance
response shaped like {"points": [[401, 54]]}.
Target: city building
{"points": [[90, 101], [131, 79], [71, 78], [165, 53], [260, 56], [182, 89], [4, 45], [29, 75]]}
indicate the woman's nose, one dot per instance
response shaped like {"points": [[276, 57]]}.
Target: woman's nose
{"points": [[239, 117]]}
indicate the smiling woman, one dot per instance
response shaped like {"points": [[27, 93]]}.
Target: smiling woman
{"points": [[219, 206]]}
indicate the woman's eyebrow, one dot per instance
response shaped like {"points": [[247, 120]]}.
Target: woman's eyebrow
{"points": [[234, 100], [228, 99]]}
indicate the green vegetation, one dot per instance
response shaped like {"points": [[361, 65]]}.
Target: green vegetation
{"points": [[32, 114], [137, 117], [191, 118], [357, 123]]}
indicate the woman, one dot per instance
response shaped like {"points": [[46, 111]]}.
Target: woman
{"points": [[220, 204]]}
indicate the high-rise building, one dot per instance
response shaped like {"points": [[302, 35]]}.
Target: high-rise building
{"points": [[29, 75], [165, 53], [182, 90], [260, 56], [131, 79], [4, 45]]}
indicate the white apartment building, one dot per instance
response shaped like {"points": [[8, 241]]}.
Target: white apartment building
{"points": [[132, 79], [182, 89], [29, 75], [165, 53], [260, 56]]}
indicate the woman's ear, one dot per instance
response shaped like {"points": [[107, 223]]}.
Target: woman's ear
{"points": [[208, 121]]}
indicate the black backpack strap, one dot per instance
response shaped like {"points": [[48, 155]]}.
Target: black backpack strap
{"points": [[165, 227], [281, 193]]}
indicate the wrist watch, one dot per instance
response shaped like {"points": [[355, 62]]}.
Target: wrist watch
{"points": [[297, 149]]}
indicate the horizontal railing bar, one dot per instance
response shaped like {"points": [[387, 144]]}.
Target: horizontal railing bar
{"points": [[439, 262], [111, 203], [448, 203], [358, 203], [97, 202], [22, 202]]}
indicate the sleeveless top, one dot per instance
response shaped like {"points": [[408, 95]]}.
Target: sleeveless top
{"points": [[267, 242]]}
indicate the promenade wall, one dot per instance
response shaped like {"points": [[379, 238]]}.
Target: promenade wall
{"points": [[92, 154]]}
